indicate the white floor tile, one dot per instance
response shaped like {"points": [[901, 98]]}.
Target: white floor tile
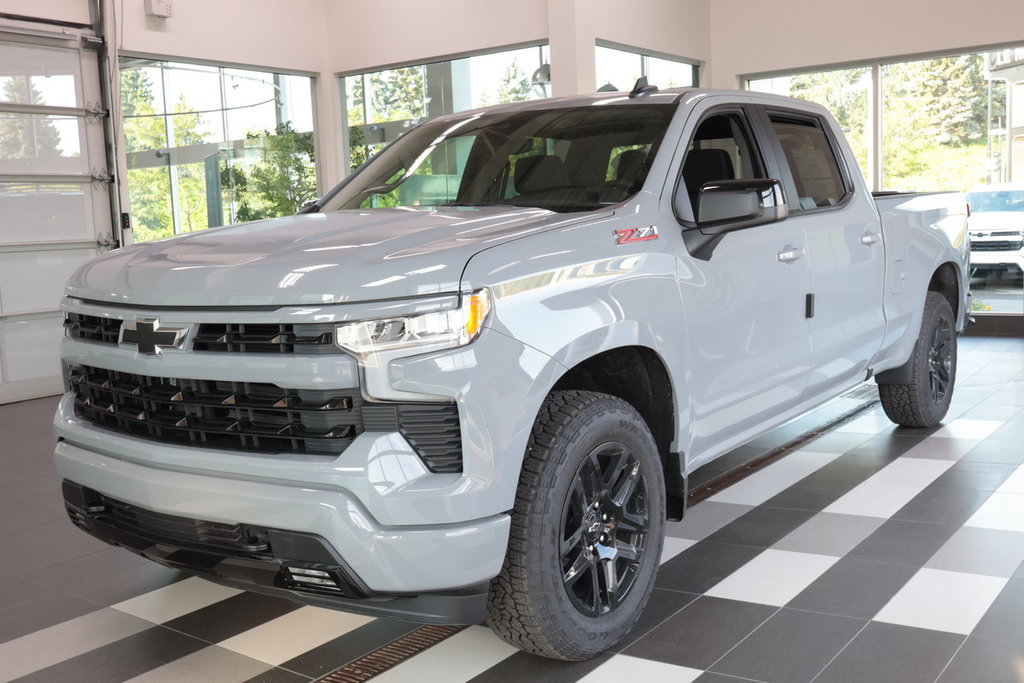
{"points": [[942, 601], [829, 534], [209, 664], [948, 448], [968, 429], [777, 477], [1015, 482], [281, 639], [674, 546], [175, 600], [455, 660], [1001, 511], [772, 578], [889, 489], [625, 668]]}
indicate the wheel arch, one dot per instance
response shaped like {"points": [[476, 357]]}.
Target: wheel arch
{"points": [[638, 375]]}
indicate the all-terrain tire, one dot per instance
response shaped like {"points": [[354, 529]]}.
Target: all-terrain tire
{"points": [[587, 529], [923, 401]]}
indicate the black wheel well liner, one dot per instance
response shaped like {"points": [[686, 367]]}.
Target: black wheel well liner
{"points": [[946, 282], [638, 375]]}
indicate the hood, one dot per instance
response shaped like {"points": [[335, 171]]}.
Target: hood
{"points": [[1000, 221], [320, 258]]}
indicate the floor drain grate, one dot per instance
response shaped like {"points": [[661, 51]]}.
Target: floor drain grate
{"points": [[390, 655]]}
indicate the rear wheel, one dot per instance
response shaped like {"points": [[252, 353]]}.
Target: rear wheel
{"points": [[586, 532], [923, 401]]}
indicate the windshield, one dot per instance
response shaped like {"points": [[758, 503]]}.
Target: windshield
{"points": [[565, 159], [1003, 200]]}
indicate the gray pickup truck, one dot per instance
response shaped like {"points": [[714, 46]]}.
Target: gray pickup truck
{"points": [[469, 383]]}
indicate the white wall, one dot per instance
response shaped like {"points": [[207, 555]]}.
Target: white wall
{"points": [[749, 37], [676, 27]]}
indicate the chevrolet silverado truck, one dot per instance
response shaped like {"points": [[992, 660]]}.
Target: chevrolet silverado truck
{"points": [[469, 383], [996, 227]]}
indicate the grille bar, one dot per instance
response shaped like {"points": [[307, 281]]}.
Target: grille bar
{"points": [[92, 328], [1001, 245], [225, 415], [265, 338]]}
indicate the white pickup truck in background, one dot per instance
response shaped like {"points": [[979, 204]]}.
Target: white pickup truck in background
{"points": [[996, 226], [472, 380]]}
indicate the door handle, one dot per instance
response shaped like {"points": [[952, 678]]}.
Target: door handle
{"points": [[790, 254], [869, 238]]}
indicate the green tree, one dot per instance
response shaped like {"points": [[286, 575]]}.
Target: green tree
{"points": [[515, 84], [845, 93], [280, 181], [26, 137]]}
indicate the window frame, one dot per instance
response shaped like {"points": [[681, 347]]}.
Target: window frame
{"points": [[749, 120], [786, 173]]}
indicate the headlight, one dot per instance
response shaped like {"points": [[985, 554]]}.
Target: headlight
{"points": [[441, 329]]}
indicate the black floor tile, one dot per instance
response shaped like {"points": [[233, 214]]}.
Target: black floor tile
{"points": [[986, 661], [701, 566], [701, 633], [943, 505], [662, 605], [121, 660], [854, 588], [980, 476], [1004, 619], [709, 677], [886, 653], [41, 612], [526, 667], [1007, 452], [901, 542], [229, 617], [791, 647], [761, 527], [336, 653], [818, 490]]}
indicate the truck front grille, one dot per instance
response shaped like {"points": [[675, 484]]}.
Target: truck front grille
{"points": [[265, 338], [257, 417], [216, 414], [1000, 245], [92, 328]]}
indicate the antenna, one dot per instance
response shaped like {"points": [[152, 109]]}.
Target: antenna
{"points": [[641, 87]]}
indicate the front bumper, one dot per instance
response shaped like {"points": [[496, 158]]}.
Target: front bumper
{"points": [[301, 567], [384, 564]]}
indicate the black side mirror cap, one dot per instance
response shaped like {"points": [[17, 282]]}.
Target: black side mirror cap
{"points": [[728, 205]]}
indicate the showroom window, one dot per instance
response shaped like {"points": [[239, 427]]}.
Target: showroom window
{"points": [[954, 122], [617, 68], [381, 105], [211, 145]]}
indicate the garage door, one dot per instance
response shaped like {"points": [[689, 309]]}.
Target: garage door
{"points": [[55, 208]]}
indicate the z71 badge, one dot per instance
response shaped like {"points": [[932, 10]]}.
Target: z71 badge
{"points": [[628, 235]]}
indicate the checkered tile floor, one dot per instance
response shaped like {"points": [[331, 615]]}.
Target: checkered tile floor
{"points": [[871, 554]]}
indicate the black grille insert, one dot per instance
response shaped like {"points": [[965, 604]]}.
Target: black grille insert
{"points": [[265, 338], [997, 245], [92, 328], [257, 417], [218, 414]]}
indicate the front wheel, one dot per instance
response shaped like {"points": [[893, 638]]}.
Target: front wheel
{"points": [[923, 401], [586, 531]]}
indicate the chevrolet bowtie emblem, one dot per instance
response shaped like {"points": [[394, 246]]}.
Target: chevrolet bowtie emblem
{"points": [[147, 334]]}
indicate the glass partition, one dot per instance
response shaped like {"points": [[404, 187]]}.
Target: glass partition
{"points": [[210, 145], [618, 69]]}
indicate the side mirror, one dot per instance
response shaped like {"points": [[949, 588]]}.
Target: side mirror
{"points": [[729, 205]]}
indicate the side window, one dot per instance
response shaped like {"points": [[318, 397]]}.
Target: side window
{"points": [[811, 160], [719, 150]]}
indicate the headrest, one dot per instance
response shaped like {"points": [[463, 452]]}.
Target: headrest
{"points": [[540, 173], [630, 164], [705, 166]]}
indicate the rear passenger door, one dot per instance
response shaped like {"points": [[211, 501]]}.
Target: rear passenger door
{"points": [[749, 340], [844, 247]]}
